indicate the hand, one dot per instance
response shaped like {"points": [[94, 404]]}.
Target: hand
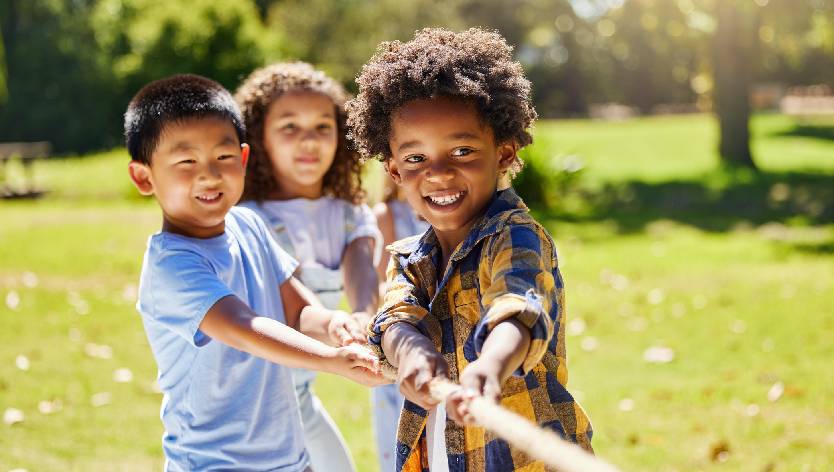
{"points": [[359, 364], [416, 370], [344, 329], [480, 378], [363, 318]]}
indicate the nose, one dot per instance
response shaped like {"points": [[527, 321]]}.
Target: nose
{"points": [[439, 171], [309, 140], [211, 173]]}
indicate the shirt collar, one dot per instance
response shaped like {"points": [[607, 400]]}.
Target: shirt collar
{"points": [[504, 203]]}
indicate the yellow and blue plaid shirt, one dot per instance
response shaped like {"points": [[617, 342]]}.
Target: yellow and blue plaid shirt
{"points": [[505, 268]]}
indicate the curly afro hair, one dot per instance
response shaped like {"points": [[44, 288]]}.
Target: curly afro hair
{"points": [[473, 65], [265, 85]]}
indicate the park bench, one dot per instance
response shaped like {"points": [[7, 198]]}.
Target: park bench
{"points": [[26, 153]]}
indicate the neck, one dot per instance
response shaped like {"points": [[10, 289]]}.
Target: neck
{"points": [[290, 190], [171, 226]]}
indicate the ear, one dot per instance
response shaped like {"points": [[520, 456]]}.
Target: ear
{"points": [[140, 175], [391, 168], [507, 155], [244, 154]]}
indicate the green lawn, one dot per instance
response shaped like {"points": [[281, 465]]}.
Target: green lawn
{"points": [[729, 274]]}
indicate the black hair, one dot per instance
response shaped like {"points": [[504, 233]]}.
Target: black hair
{"points": [[175, 99], [475, 66]]}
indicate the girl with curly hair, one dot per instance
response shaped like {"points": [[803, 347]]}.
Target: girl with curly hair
{"points": [[305, 183]]}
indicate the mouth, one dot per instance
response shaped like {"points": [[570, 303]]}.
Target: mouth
{"points": [[445, 198], [307, 159], [210, 197]]}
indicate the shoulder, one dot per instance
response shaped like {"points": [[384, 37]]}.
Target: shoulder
{"points": [[520, 230], [405, 247], [245, 218]]}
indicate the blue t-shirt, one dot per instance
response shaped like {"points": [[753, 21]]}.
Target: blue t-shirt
{"points": [[222, 408]]}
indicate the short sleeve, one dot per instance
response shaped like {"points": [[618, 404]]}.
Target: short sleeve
{"points": [[401, 304], [283, 263], [360, 222], [523, 284], [178, 292]]}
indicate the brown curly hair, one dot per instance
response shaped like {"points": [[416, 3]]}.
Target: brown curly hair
{"points": [[265, 85], [473, 65]]}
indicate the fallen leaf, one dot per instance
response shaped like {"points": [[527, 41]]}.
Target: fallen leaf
{"points": [[589, 343], [12, 300], [12, 416], [655, 296], [626, 404], [21, 362], [29, 279], [576, 327], [720, 451], [98, 351], [776, 391], [101, 399], [123, 375], [658, 355], [47, 407]]}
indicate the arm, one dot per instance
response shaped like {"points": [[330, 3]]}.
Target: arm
{"points": [[385, 222], [361, 280], [417, 359], [232, 322], [304, 312]]}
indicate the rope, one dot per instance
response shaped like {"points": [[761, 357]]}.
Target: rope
{"points": [[539, 443]]}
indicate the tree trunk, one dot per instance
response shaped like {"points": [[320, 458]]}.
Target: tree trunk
{"points": [[732, 86]]}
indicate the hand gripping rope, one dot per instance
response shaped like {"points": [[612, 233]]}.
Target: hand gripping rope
{"points": [[539, 443]]}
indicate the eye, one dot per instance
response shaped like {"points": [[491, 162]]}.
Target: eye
{"points": [[460, 152], [226, 156], [324, 127], [288, 128], [186, 161], [414, 158]]}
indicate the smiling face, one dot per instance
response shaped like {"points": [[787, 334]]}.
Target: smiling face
{"points": [[196, 174], [447, 162], [300, 138]]}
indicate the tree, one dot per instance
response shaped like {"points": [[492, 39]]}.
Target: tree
{"points": [[732, 47]]}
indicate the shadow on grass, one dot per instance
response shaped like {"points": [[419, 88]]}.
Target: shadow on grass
{"points": [[718, 202], [805, 130]]}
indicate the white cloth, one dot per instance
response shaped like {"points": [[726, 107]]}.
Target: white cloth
{"points": [[436, 439]]}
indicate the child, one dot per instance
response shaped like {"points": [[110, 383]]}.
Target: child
{"points": [[396, 220], [479, 297], [217, 295], [305, 183]]}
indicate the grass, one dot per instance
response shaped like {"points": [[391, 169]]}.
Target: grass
{"points": [[733, 273]]}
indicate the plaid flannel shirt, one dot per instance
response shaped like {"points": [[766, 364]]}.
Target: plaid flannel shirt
{"points": [[505, 268]]}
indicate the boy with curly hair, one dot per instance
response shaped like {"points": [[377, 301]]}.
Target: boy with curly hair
{"points": [[478, 298]]}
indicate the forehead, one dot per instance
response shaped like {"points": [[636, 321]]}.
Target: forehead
{"points": [[430, 116], [301, 102], [209, 130]]}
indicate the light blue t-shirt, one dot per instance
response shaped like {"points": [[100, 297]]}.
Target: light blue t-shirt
{"points": [[223, 408]]}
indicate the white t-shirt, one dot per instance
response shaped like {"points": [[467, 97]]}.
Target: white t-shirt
{"points": [[319, 229]]}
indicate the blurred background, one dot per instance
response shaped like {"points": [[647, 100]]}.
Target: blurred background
{"points": [[684, 162]]}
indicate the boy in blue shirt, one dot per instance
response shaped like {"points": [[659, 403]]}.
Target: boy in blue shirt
{"points": [[223, 314], [478, 298]]}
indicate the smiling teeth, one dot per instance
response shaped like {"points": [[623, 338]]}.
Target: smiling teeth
{"points": [[446, 199], [209, 197]]}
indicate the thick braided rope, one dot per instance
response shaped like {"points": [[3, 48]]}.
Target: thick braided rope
{"points": [[539, 443]]}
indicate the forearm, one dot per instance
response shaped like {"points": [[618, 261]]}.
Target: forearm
{"points": [[361, 280], [402, 338], [506, 347], [314, 321], [231, 322]]}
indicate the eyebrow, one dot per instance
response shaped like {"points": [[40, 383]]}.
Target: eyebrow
{"points": [[290, 113], [454, 137], [186, 146]]}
